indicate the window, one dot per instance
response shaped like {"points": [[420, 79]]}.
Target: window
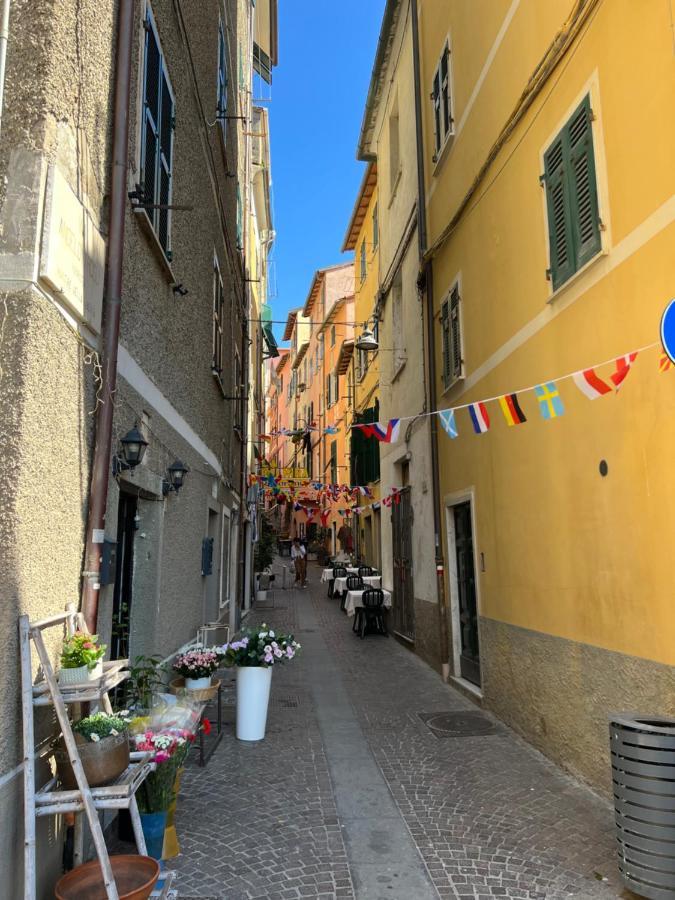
{"points": [[157, 136], [362, 361], [365, 452], [364, 268], [394, 149], [442, 101], [238, 391], [221, 102], [376, 228], [332, 335], [572, 197], [218, 319], [333, 461], [329, 386], [398, 356], [451, 339], [332, 389], [240, 229]]}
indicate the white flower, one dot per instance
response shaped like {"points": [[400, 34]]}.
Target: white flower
{"points": [[272, 634]]}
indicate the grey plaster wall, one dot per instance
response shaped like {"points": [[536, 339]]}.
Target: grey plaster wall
{"points": [[559, 694], [58, 104]]}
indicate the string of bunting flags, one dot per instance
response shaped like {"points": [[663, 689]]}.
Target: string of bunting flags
{"points": [[547, 393]]}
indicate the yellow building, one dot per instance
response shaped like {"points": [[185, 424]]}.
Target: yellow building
{"points": [[362, 368], [549, 189]]}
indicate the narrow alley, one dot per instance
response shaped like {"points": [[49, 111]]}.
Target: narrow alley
{"points": [[353, 795]]}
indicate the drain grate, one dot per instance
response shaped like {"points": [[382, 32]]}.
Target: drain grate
{"points": [[459, 724], [285, 702]]}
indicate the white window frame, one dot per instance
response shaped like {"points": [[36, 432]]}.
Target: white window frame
{"points": [[443, 103]]}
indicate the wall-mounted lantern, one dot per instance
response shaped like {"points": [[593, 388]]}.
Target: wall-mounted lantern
{"points": [[175, 477], [133, 450]]}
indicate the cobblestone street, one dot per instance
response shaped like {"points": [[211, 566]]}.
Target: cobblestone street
{"points": [[352, 795]]}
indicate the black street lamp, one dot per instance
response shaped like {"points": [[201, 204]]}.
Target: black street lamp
{"points": [[176, 476], [134, 446]]}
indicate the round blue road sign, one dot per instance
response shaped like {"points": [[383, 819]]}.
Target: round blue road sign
{"points": [[668, 330]]}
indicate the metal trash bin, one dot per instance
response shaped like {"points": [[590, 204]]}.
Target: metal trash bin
{"points": [[643, 774]]}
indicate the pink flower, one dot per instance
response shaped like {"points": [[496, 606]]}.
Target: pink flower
{"points": [[162, 757]]}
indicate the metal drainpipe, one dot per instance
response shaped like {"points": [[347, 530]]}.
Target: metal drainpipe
{"points": [[4, 40], [444, 635], [100, 470]]}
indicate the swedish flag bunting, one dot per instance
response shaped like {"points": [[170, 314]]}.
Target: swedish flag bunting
{"points": [[550, 403], [511, 409]]}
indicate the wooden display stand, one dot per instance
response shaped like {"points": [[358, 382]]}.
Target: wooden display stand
{"points": [[51, 800]]}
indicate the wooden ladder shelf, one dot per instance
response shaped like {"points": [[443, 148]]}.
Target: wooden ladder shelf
{"points": [[50, 799]]}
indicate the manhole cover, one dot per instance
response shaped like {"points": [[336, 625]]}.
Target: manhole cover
{"points": [[459, 724]]}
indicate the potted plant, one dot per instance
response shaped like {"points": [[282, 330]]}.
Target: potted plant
{"points": [[254, 654], [81, 658], [169, 749], [197, 666], [103, 746], [145, 680]]}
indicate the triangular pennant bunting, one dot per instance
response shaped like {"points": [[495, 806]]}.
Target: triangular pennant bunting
{"points": [[623, 364], [590, 385]]}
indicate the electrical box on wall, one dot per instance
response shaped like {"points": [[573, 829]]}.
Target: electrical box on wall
{"points": [[108, 562]]}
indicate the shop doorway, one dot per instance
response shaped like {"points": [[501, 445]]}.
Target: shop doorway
{"points": [[463, 591], [124, 572]]}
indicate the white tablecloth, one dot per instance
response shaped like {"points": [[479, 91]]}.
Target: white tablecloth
{"points": [[354, 601], [327, 574], [340, 585]]}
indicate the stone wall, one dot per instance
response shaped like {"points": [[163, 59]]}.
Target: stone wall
{"points": [[559, 694]]}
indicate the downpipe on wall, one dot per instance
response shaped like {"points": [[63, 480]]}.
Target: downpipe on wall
{"points": [[4, 41], [110, 330], [427, 285]]}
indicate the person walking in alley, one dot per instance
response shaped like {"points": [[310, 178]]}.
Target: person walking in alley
{"points": [[299, 557]]}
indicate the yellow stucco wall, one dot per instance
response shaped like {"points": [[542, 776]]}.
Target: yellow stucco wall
{"points": [[566, 551]]}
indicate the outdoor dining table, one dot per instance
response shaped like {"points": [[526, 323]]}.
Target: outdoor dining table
{"points": [[354, 601], [327, 574], [340, 585]]}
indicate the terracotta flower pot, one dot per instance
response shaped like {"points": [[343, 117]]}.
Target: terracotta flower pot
{"points": [[135, 877], [103, 761]]}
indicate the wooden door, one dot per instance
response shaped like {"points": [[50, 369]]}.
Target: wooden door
{"points": [[466, 591], [403, 602]]}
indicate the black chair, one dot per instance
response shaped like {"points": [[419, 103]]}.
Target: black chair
{"points": [[338, 572], [372, 612], [366, 570], [354, 583]]}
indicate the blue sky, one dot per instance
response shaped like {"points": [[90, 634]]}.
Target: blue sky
{"points": [[326, 53]]}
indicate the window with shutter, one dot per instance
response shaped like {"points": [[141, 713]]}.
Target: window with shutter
{"points": [[572, 197], [363, 261], [221, 107], [376, 227], [218, 319], [157, 136], [441, 98], [451, 338]]}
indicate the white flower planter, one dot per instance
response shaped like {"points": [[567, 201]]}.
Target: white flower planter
{"points": [[197, 684], [253, 695], [81, 674]]}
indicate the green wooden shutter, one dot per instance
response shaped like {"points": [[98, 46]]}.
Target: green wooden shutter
{"points": [[559, 213], [445, 341], [582, 185], [165, 166], [150, 138], [455, 334]]}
